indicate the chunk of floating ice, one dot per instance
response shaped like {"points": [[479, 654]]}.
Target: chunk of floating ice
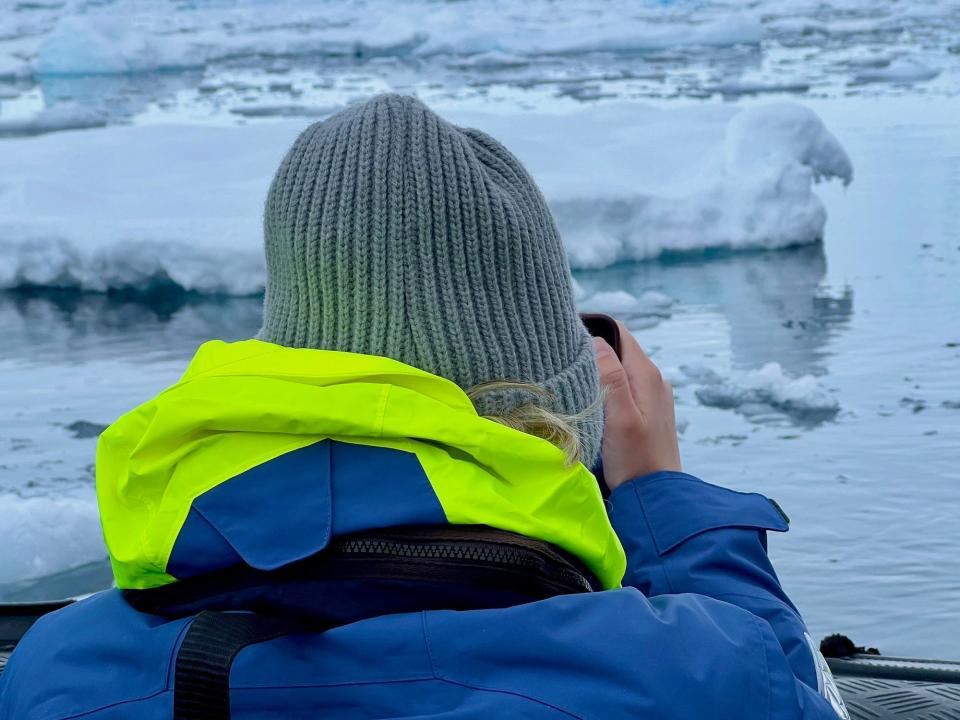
{"points": [[136, 206], [649, 182], [803, 398], [902, 71]]}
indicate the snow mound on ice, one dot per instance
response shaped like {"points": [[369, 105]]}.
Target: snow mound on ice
{"points": [[649, 182]]}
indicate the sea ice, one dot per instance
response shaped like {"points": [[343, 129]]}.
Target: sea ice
{"points": [[803, 398], [133, 207]]}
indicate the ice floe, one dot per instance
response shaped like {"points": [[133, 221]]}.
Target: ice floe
{"points": [[757, 393], [141, 206]]}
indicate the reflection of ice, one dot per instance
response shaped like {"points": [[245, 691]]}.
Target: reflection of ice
{"points": [[39, 326], [774, 303], [62, 116], [71, 363], [644, 311]]}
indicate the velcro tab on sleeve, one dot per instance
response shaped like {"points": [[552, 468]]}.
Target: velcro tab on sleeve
{"points": [[679, 506]]}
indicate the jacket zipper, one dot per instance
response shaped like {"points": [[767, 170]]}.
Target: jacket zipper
{"points": [[549, 565]]}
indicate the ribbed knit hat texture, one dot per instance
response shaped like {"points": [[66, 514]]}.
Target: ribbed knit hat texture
{"points": [[389, 231]]}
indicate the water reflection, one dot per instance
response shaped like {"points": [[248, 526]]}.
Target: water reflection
{"points": [[775, 303], [80, 327], [118, 97]]}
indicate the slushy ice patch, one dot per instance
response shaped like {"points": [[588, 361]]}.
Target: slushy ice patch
{"points": [[136, 207]]}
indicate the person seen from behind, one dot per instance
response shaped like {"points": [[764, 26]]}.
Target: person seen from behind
{"points": [[383, 506]]}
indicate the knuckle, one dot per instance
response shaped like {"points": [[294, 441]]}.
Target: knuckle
{"points": [[635, 425]]}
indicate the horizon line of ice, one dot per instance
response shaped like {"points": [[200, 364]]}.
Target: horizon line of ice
{"points": [[145, 207]]}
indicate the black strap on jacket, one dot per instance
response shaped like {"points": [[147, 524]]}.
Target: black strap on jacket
{"points": [[358, 577], [201, 688]]}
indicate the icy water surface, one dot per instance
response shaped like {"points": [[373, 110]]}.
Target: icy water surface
{"points": [[824, 374], [863, 454]]}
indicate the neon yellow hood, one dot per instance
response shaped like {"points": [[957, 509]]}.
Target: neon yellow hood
{"points": [[242, 404]]}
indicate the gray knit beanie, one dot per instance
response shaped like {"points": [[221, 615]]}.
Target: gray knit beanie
{"points": [[392, 232]]}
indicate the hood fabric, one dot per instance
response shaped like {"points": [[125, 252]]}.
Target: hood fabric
{"points": [[242, 404]]}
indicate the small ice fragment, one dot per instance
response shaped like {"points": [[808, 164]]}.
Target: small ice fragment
{"points": [[904, 71], [758, 391]]}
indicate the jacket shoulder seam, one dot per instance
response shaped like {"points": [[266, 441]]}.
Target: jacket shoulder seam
{"points": [[766, 666], [118, 703], [428, 646], [660, 561]]}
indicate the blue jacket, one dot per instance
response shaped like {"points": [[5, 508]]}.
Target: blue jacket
{"points": [[701, 629], [261, 454]]}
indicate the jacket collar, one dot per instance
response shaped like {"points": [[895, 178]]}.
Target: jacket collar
{"points": [[242, 405]]}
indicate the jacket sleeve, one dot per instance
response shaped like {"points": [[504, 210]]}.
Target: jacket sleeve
{"points": [[683, 535]]}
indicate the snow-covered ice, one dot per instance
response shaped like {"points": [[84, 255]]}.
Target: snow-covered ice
{"points": [[755, 392], [131, 207]]}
